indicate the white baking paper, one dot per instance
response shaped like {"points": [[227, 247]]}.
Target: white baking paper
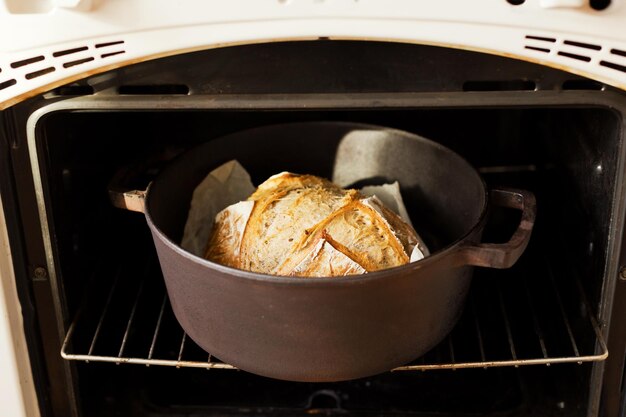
{"points": [[230, 183]]}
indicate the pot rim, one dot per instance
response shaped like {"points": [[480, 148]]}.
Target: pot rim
{"points": [[444, 252]]}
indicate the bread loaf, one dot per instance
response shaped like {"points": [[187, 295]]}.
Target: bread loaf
{"points": [[303, 225]]}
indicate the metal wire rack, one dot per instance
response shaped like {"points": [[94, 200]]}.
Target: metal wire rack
{"points": [[522, 316]]}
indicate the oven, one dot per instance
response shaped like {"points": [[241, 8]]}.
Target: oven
{"points": [[90, 329]]}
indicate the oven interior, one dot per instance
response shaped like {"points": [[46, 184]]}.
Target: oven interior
{"points": [[554, 134]]}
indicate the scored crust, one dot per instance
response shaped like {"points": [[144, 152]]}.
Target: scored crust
{"points": [[303, 225]]}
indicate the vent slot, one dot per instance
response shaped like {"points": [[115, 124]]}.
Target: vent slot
{"points": [[104, 45], [39, 73], [111, 54], [582, 85], [69, 51], [613, 65], [159, 89], [506, 85], [7, 83], [618, 52], [583, 45], [18, 64], [535, 48], [540, 38], [77, 62], [575, 56]]}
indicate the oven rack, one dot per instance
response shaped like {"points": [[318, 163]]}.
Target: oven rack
{"points": [[522, 316]]}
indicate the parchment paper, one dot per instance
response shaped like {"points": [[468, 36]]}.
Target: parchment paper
{"points": [[228, 184]]}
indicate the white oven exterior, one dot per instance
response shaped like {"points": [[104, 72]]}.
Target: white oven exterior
{"points": [[48, 43], [17, 390]]}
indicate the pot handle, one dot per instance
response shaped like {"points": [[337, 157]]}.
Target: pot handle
{"points": [[132, 200], [504, 255], [123, 192]]}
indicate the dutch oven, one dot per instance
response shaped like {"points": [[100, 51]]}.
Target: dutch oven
{"points": [[339, 328]]}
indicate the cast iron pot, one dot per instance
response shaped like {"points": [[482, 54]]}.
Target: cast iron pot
{"points": [[331, 329]]}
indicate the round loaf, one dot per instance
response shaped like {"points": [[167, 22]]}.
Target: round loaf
{"points": [[303, 225]]}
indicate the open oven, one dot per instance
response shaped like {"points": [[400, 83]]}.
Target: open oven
{"points": [[542, 338]]}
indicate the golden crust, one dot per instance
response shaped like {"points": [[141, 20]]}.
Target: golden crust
{"points": [[302, 225]]}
